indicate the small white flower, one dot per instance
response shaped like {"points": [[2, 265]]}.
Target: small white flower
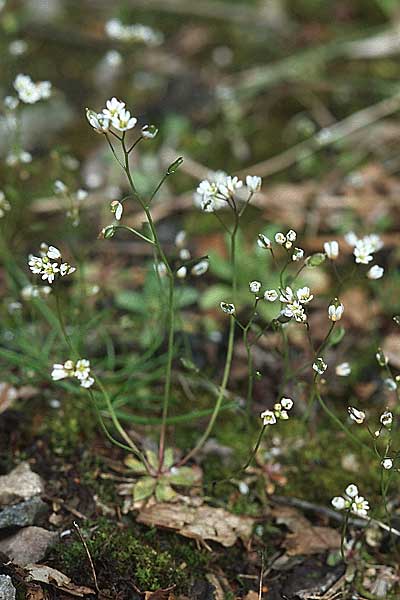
{"points": [[263, 242], [53, 252], [279, 412], [117, 208], [82, 369], [49, 271], [227, 308], [338, 502], [375, 272], [335, 312], [60, 187], [381, 358], [287, 403], [66, 269], [98, 121], [180, 239], [387, 463], [343, 369], [229, 187], [149, 132], [62, 371], [287, 295], [184, 254], [280, 238], [298, 254], [295, 310], [386, 418], [271, 295], [351, 490], [123, 121], [87, 383], [268, 417], [331, 249], [304, 295], [362, 252], [113, 108], [200, 268], [35, 264], [360, 506], [181, 272], [291, 235], [11, 102], [161, 269], [253, 183], [320, 366], [358, 416], [255, 286]]}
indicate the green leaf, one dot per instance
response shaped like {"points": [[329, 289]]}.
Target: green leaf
{"points": [[184, 476], [152, 458], [189, 365], [186, 296], [168, 457], [315, 260], [164, 492], [144, 488], [134, 465], [133, 301], [336, 336], [214, 295]]}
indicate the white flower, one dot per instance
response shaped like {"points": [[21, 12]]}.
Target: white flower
{"points": [[253, 183], [255, 286], [387, 463], [30, 92], [200, 268], [331, 249], [280, 238], [351, 238], [53, 252], [81, 195], [161, 269], [227, 308], [363, 252], [304, 295], [228, 187], [287, 403], [338, 502], [287, 295], [82, 369], [271, 295], [113, 108], [117, 208], [291, 235], [62, 371], [381, 358], [375, 272], [360, 506], [335, 312], [296, 310], [184, 254], [115, 29], [263, 242], [180, 239], [49, 271], [181, 272], [208, 196], [87, 383], [123, 121], [298, 254], [386, 418], [351, 490], [11, 102], [35, 264], [279, 412], [356, 415], [320, 366], [343, 370], [149, 132], [66, 269], [60, 187], [268, 417], [98, 121], [45, 267]]}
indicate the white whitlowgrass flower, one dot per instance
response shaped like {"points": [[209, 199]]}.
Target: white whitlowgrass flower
{"points": [[184, 254], [82, 369], [253, 183], [375, 272], [280, 238], [362, 253], [60, 187], [117, 208], [351, 490], [200, 268], [113, 108], [304, 295], [358, 416], [227, 308], [98, 121], [123, 121], [44, 266], [208, 195], [255, 286], [390, 384], [291, 235], [180, 239], [351, 502], [298, 254], [30, 92], [386, 418], [387, 463], [116, 30], [335, 312], [287, 403], [49, 271], [263, 242], [62, 371], [287, 295], [181, 272], [149, 132], [161, 269], [360, 506], [10, 102], [271, 295], [331, 249], [295, 310], [268, 417], [29, 292], [338, 502], [320, 366], [230, 186], [343, 369]]}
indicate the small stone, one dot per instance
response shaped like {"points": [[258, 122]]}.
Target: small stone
{"points": [[7, 590], [21, 484], [28, 545], [23, 514]]}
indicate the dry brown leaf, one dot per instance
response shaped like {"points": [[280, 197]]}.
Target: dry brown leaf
{"points": [[252, 596], [45, 574], [8, 395], [160, 594], [305, 537], [201, 523], [391, 348]]}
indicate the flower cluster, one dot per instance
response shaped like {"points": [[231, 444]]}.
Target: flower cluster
{"points": [[80, 370], [363, 250], [285, 240], [113, 115], [270, 417], [294, 302], [30, 92], [351, 502], [30, 292], [219, 190], [4, 204], [49, 264], [320, 366], [132, 33]]}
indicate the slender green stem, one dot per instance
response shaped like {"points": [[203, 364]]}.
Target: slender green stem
{"points": [[140, 235]]}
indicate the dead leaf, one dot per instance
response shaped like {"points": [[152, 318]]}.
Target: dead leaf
{"points": [[305, 538], [201, 523], [45, 574], [160, 594], [8, 395], [252, 596]]}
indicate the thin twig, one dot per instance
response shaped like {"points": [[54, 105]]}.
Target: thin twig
{"points": [[96, 585]]}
